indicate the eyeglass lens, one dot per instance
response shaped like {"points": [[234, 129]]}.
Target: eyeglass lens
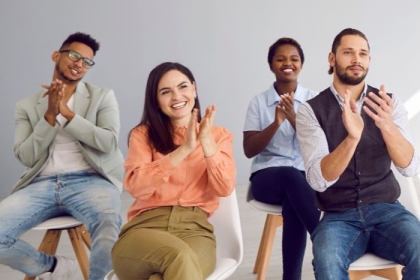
{"points": [[75, 56]]}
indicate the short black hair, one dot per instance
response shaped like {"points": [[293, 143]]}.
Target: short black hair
{"points": [[337, 41], [284, 41], [82, 38]]}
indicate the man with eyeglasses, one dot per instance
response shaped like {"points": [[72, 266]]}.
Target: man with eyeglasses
{"points": [[67, 137]]}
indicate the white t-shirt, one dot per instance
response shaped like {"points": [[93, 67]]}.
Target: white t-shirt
{"points": [[66, 155]]}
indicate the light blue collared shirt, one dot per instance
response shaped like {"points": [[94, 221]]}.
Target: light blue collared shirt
{"points": [[314, 145], [283, 149]]}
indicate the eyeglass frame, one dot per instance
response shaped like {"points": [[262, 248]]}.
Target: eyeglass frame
{"points": [[79, 58]]}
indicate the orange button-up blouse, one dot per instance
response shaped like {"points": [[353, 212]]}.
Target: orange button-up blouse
{"points": [[197, 181]]}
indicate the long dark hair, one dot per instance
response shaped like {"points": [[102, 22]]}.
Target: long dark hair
{"points": [[159, 125]]}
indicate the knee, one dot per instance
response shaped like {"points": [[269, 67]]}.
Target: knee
{"points": [[105, 219], [105, 226], [328, 265], [179, 254], [411, 249], [329, 256], [5, 244], [328, 259]]}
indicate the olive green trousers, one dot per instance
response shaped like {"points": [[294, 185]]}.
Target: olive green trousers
{"points": [[170, 243]]}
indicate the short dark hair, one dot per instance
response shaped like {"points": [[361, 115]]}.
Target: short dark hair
{"points": [[159, 125], [82, 38], [284, 41], [337, 41]]}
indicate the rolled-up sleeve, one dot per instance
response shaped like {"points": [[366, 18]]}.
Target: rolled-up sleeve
{"points": [[313, 146], [400, 117], [221, 168]]}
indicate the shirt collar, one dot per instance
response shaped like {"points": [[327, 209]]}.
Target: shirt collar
{"points": [[341, 100], [273, 97]]}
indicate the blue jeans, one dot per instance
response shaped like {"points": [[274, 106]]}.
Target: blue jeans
{"points": [[385, 229], [288, 187], [86, 196]]}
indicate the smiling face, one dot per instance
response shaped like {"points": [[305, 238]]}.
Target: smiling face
{"points": [[71, 71], [176, 97], [286, 63], [351, 60]]}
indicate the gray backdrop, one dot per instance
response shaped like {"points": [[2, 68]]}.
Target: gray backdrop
{"points": [[223, 42]]}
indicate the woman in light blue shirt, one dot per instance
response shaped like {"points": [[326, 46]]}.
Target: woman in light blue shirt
{"points": [[278, 175]]}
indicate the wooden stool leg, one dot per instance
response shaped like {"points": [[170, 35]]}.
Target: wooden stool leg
{"points": [[266, 244], [48, 244], [263, 245], [79, 249], [359, 274], [50, 241], [392, 273], [85, 236]]}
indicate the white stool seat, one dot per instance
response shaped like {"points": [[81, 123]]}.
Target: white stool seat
{"points": [[268, 208], [78, 235], [371, 261], [62, 222]]}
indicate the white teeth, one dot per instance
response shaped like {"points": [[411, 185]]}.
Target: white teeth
{"points": [[179, 105], [288, 70], [74, 71]]}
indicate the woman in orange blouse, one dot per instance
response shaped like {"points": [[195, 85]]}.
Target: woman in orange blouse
{"points": [[177, 167]]}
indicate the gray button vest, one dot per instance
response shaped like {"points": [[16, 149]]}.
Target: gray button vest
{"points": [[368, 177]]}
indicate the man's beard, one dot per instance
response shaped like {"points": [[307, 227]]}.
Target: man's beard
{"points": [[347, 79], [64, 76]]}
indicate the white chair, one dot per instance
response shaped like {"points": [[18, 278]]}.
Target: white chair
{"points": [[78, 235], [273, 220], [227, 228], [370, 264]]}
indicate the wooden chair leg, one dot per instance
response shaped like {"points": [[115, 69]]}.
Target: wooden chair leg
{"points": [[48, 244], [85, 236], [266, 244], [78, 246]]}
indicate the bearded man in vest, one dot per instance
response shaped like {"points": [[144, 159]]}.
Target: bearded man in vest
{"points": [[349, 135]]}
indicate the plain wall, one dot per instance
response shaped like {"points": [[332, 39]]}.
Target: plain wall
{"points": [[223, 42]]}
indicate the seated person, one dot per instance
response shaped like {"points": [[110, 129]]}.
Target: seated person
{"points": [[177, 167], [278, 175], [349, 135], [67, 137]]}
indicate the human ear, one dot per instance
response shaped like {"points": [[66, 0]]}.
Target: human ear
{"points": [[55, 56], [195, 90], [331, 59]]}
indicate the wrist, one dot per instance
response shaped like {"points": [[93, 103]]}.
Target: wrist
{"points": [[277, 123], [209, 147], [208, 141], [69, 116], [185, 149], [352, 141], [50, 118]]}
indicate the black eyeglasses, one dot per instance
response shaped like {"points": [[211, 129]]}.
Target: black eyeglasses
{"points": [[75, 56]]}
